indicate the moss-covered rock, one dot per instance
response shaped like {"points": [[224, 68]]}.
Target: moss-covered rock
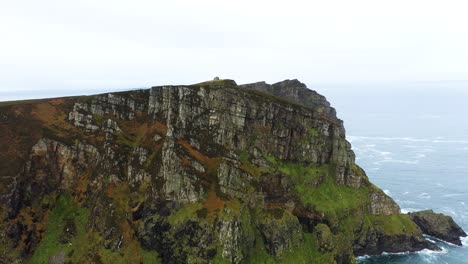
{"points": [[438, 225]]}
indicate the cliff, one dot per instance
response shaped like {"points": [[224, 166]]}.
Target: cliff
{"points": [[206, 173]]}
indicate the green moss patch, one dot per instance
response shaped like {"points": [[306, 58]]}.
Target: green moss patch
{"points": [[65, 212]]}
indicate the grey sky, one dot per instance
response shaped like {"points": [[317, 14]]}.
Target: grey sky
{"points": [[100, 44]]}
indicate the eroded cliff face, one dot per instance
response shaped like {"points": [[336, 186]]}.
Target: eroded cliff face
{"points": [[208, 173]]}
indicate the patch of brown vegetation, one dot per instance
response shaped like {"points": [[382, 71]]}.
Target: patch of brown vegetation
{"points": [[81, 187], [45, 112], [185, 161], [33, 223], [142, 133], [331, 122], [17, 136], [211, 163], [53, 117], [213, 203]]}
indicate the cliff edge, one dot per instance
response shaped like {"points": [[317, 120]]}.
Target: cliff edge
{"points": [[208, 173]]}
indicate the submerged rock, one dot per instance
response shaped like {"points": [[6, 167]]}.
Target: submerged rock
{"points": [[439, 226]]}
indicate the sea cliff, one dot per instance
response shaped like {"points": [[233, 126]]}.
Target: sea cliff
{"points": [[208, 173]]}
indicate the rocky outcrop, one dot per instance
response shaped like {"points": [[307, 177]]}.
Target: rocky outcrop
{"points": [[212, 172], [439, 226]]}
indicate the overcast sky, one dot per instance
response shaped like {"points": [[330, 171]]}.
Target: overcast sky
{"points": [[121, 44]]}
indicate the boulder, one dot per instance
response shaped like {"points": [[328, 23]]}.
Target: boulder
{"points": [[439, 226]]}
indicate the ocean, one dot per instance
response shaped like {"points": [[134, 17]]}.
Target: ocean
{"points": [[412, 141]]}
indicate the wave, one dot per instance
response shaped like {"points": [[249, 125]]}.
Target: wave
{"points": [[407, 210], [424, 196], [406, 202], [422, 252], [464, 241], [409, 139], [454, 194], [440, 241], [433, 252], [389, 160], [361, 258], [425, 254], [449, 211], [395, 253]]}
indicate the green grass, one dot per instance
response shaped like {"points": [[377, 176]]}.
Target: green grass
{"points": [[394, 224], [188, 211], [316, 187], [308, 252], [150, 257], [314, 132], [259, 254], [64, 209], [124, 140], [216, 83]]}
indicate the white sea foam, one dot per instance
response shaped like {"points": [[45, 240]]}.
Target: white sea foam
{"points": [[431, 256], [390, 160], [454, 194], [424, 196], [406, 202], [362, 257], [464, 241], [387, 192], [407, 210], [410, 139], [449, 211], [405, 193], [432, 239], [396, 253], [427, 254]]}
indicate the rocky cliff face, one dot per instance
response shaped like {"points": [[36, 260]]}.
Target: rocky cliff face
{"points": [[207, 173]]}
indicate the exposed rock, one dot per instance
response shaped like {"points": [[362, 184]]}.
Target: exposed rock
{"points": [[438, 225], [55, 162], [381, 204], [59, 258], [281, 231], [232, 181], [230, 236]]}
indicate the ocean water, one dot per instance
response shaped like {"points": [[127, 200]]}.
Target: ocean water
{"points": [[412, 140]]}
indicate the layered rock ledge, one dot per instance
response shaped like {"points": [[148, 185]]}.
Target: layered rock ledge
{"points": [[439, 226]]}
